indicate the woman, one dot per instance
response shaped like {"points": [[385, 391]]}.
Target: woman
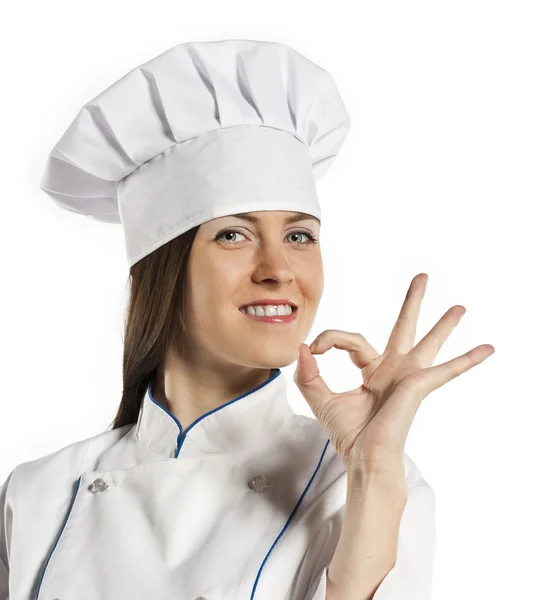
{"points": [[208, 486]]}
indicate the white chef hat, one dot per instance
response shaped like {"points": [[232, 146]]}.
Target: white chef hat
{"points": [[204, 130]]}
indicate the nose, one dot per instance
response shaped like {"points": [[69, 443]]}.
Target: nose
{"points": [[273, 264]]}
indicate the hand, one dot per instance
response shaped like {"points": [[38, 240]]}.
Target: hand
{"points": [[368, 426]]}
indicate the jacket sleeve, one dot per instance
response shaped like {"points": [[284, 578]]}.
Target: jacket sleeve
{"points": [[6, 520], [411, 576]]}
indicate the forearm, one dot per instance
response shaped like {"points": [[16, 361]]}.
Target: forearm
{"points": [[367, 547]]}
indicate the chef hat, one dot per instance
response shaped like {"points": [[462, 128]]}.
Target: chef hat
{"points": [[204, 130]]}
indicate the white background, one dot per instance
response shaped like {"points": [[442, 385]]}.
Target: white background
{"points": [[436, 176]]}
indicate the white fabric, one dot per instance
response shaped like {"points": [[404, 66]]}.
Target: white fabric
{"points": [[204, 130], [412, 576], [178, 519]]}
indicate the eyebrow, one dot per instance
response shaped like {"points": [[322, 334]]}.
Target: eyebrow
{"points": [[291, 219]]}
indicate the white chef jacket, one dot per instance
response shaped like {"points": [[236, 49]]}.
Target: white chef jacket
{"points": [[246, 503]]}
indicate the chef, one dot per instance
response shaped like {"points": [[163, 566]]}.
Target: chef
{"points": [[208, 486]]}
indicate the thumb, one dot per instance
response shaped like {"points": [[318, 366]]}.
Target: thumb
{"points": [[309, 381]]}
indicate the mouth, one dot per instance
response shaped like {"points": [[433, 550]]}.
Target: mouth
{"points": [[272, 318]]}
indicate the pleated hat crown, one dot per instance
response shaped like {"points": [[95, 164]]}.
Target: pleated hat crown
{"points": [[204, 130]]}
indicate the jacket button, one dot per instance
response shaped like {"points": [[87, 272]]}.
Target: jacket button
{"points": [[98, 485], [259, 483]]}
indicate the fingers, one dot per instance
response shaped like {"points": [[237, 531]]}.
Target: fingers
{"points": [[402, 336], [310, 383], [432, 378], [428, 347], [360, 350]]}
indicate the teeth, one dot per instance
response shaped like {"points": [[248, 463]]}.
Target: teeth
{"points": [[268, 311]]}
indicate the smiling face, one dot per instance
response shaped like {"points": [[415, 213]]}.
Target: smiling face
{"points": [[235, 261]]}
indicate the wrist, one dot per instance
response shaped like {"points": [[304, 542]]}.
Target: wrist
{"points": [[390, 482]]}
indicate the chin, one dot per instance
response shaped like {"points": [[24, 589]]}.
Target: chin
{"points": [[277, 362]]}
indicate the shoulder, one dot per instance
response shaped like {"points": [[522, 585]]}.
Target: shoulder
{"points": [[62, 465]]}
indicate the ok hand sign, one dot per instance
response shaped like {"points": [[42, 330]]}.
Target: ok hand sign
{"points": [[368, 426]]}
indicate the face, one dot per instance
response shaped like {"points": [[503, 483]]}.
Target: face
{"points": [[235, 261]]}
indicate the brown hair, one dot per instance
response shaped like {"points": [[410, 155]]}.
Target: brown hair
{"points": [[154, 320]]}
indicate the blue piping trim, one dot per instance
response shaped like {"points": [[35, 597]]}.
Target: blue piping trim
{"points": [[181, 436], [59, 536], [180, 426], [288, 521]]}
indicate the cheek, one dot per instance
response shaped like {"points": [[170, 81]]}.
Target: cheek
{"points": [[213, 293], [312, 283]]}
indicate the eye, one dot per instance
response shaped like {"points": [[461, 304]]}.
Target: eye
{"points": [[310, 236]]}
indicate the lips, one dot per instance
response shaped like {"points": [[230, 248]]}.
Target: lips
{"points": [[268, 302], [294, 309], [273, 318]]}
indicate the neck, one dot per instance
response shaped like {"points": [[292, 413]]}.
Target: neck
{"points": [[188, 393]]}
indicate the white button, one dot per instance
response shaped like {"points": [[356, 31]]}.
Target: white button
{"points": [[98, 485], [259, 483]]}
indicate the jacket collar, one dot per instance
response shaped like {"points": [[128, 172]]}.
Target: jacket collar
{"points": [[247, 420]]}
